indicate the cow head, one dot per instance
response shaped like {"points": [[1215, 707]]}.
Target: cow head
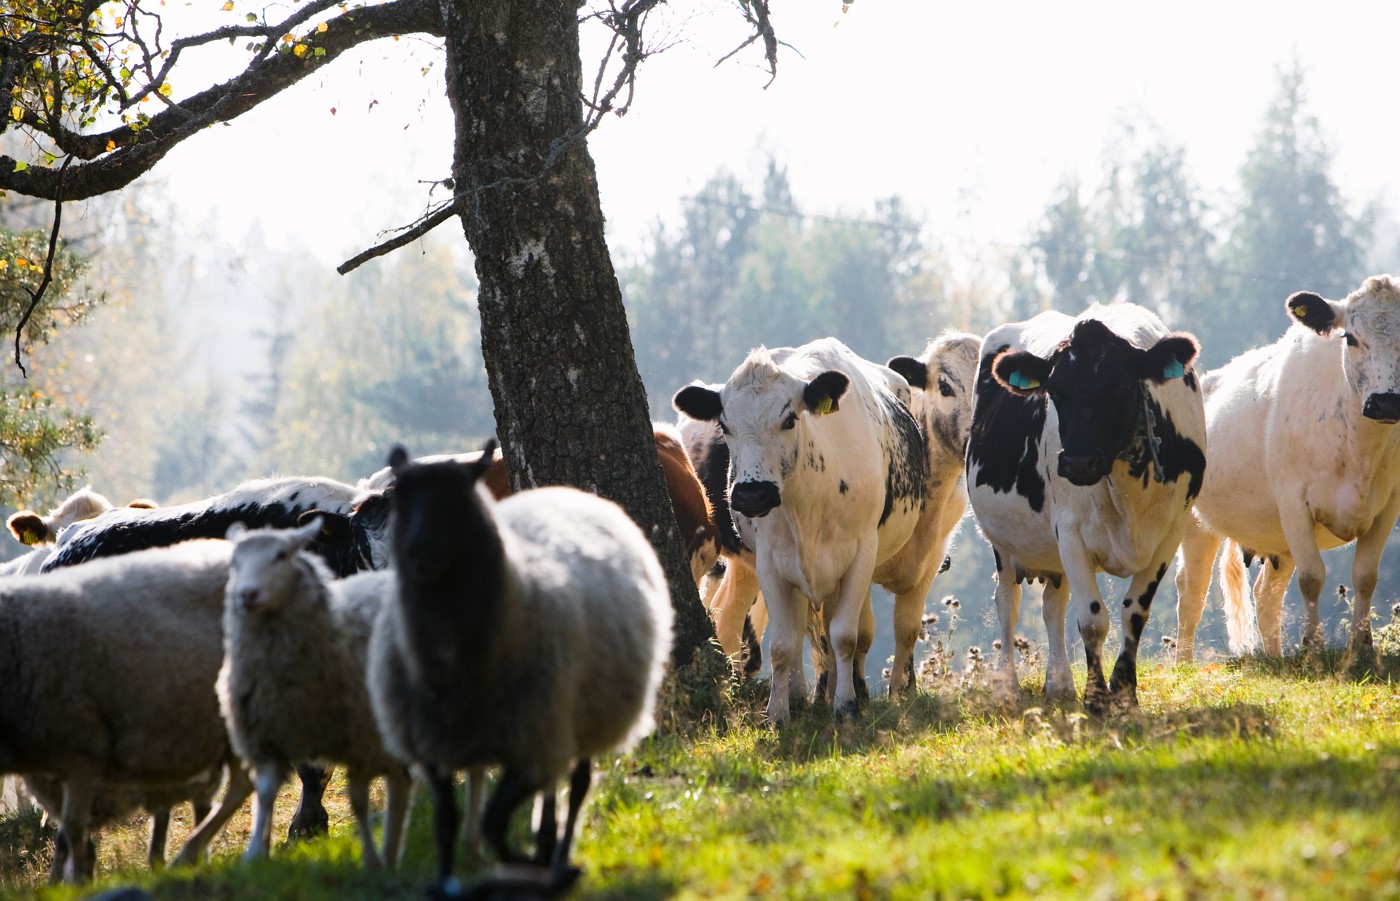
{"points": [[762, 411], [1368, 321], [945, 375], [1095, 381]]}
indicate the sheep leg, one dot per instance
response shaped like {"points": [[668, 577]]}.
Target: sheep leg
{"points": [[444, 823], [547, 833], [267, 778], [398, 787], [560, 871], [310, 818], [160, 826], [73, 819], [511, 791], [357, 787], [235, 793], [471, 816]]}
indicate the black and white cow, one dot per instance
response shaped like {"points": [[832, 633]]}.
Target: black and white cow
{"points": [[275, 503], [1305, 456], [829, 471], [1087, 449]]}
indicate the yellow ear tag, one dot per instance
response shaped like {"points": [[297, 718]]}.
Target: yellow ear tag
{"points": [[29, 537], [824, 406], [1300, 311]]}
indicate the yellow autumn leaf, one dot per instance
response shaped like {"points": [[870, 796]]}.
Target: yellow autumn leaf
{"points": [[164, 89], [21, 262], [111, 145], [4, 264], [321, 29], [300, 50], [228, 6], [17, 113], [288, 38]]}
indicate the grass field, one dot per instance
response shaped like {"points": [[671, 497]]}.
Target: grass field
{"points": [[1256, 779]]}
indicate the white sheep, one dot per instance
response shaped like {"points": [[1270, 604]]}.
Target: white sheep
{"points": [[530, 633], [292, 687], [107, 679]]}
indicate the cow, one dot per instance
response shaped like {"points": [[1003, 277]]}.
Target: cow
{"points": [[1087, 449], [829, 473], [1305, 457]]}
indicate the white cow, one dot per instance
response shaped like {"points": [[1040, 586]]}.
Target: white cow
{"points": [[829, 470], [1087, 447], [1305, 457]]}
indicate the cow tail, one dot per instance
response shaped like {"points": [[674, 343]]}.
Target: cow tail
{"points": [[1240, 624]]}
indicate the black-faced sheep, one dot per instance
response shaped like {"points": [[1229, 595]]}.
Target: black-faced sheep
{"points": [[530, 633], [292, 687], [107, 679], [275, 503]]}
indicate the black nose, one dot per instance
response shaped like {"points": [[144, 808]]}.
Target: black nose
{"points": [[754, 498], [1382, 407], [1083, 468]]}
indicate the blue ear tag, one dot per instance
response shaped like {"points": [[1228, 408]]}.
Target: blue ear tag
{"points": [[1019, 379], [1173, 370]]}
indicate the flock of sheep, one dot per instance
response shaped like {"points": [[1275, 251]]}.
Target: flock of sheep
{"points": [[528, 634]]}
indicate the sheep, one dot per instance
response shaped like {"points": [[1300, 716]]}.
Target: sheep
{"points": [[292, 686], [530, 633], [107, 678], [280, 503]]}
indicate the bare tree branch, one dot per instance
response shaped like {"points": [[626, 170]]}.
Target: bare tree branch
{"points": [[756, 13], [37, 294], [407, 235], [121, 155]]}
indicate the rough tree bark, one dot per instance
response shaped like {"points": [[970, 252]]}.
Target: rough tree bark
{"points": [[570, 405]]}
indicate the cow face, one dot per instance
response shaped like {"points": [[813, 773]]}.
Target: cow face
{"points": [[761, 410], [1095, 381], [944, 375], [1368, 321]]}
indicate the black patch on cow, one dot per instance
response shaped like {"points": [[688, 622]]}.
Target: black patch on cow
{"points": [[844, 487], [996, 558], [710, 456], [1176, 453], [1137, 621], [1095, 607], [1004, 443], [1055, 579], [142, 529], [1191, 381], [907, 474]]}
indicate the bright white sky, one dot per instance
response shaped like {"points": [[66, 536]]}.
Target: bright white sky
{"points": [[971, 108]]}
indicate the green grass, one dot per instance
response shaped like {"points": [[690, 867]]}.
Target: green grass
{"points": [[1260, 779]]}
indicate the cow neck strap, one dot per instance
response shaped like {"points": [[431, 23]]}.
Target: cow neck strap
{"points": [[1147, 433]]}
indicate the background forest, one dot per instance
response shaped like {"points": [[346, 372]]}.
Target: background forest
{"points": [[165, 363]]}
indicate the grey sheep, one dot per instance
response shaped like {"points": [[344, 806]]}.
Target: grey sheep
{"points": [[530, 633], [107, 679], [292, 686]]}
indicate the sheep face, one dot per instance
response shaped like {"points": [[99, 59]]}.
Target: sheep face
{"points": [[439, 518], [263, 574]]}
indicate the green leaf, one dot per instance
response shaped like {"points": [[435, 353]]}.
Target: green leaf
{"points": [[21, 165]]}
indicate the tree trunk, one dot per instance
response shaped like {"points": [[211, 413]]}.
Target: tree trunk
{"points": [[570, 405]]}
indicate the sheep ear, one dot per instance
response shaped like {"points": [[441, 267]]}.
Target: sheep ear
{"points": [[236, 531], [398, 458], [331, 528]]}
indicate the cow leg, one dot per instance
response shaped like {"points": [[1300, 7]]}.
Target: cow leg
{"points": [[1137, 605], [732, 602], [1008, 600], [843, 624], [908, 621], [785, 646], [1059, 678], [1364, 566], [310, 818], [1091, 615], [1297, 524], [1199, 547], [823, 664], [1269, 588], [865, 637]]}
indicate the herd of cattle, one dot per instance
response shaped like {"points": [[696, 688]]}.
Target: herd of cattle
{"points": [[1082, 444]]}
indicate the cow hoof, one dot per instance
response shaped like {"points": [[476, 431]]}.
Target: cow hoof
{"points": [[848, 712]]}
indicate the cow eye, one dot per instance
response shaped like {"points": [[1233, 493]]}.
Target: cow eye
{"points": [[1350, 339], [790, 421], [944, 388]]}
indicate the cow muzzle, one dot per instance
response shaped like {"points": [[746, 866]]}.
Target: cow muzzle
{"points": [[1083, 468], [754, 498], [1382, 408]]}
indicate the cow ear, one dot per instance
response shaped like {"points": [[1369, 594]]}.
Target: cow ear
{"points": [[698, 402], [1314, 311], [914, 371], [821, 394], [398, 457], [1021, 372], [29, 527], [331, 528], [1170, 357]]}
